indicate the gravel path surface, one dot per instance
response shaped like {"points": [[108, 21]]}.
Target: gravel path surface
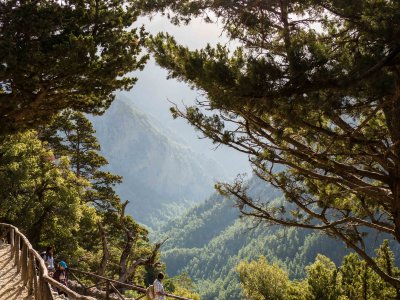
{"points": [[11, 285]]}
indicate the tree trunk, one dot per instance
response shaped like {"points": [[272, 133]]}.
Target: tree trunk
{"points": [[106, 253]]}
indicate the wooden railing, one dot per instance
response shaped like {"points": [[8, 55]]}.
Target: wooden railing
{"points": [[37, 280], [111, 285], [32, 268]]}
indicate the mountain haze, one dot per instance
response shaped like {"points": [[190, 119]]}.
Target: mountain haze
{"points": [[161, 176]]}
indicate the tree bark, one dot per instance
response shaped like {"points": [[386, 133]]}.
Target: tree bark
{"points": [[106, 253]]}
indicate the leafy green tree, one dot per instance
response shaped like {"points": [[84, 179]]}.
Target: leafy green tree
{"points": [[64, 54], [322, 278], [311, 94], [40, 197], [298, 290], [263, 281]]}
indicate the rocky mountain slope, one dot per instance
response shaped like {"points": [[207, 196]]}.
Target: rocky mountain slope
{"points": [[162, 177]]}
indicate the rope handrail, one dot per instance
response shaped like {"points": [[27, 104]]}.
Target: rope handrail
{"points": [[26, 262]]}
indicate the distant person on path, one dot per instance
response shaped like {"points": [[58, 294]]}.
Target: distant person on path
{"points": [[159, 288], [61, 275], [48, 259]]}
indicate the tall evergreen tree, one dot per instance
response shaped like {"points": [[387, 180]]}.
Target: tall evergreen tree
{"points": [[355, 278], [122, 242], [64, 54], [312, 95], [71, 134], [385, 259]]}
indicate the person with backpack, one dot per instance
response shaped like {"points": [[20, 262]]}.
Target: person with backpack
{"points": [[48, 259], [61, 275], [159, 288]]}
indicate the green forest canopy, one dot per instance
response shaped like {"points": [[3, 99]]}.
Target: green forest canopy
{"points": [[261, 280]]}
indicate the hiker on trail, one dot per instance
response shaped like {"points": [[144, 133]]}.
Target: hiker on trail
{"points": [[61, 275], [48, 259], [159, 288]]}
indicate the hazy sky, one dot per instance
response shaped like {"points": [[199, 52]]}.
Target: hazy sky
{"points": [[153, 92]]}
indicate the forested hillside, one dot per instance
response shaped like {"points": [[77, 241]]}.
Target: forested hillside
{"points": [[210, 240], [161, 177]]}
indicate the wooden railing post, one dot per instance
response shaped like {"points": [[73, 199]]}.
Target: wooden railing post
{"points": [[16, 252], [46, 295], [12, 241], [43, 287], [40, 284], [24, 263], [31, 272], [11, 237], [35, 280]]}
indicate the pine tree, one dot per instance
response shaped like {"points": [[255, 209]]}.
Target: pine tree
{"points": [[263, 281], [122, 242], [64, 54], [71, 134], [385, 259], [322, 277], [355, 278]]}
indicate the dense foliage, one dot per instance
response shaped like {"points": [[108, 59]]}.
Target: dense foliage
{"points": [[353, 280], [64, 54], [32, 187], [311, 94], [45, 196]]}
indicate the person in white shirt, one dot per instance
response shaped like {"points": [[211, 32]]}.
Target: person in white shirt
{"points": [[159, 288], [49, 259]]}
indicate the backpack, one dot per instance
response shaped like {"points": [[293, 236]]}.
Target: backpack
{"points": [[150, 292]]}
